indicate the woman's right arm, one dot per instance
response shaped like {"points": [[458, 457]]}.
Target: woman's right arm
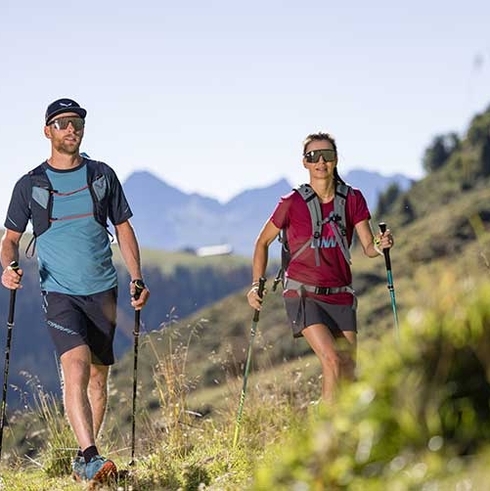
{"points": [[260, 258]]}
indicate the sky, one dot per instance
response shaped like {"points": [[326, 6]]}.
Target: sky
{"points": [[216, 96]]}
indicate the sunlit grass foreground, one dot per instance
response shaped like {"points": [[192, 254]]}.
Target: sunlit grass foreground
{"points": [[418, 418]]}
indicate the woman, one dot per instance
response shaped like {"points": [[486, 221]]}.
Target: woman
{"points": [[319, 300]]}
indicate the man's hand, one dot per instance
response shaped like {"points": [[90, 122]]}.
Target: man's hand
{"points": [[12, 276], [139, 293]]}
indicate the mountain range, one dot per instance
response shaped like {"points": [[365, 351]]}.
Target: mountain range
{"points": [[166, 218]]}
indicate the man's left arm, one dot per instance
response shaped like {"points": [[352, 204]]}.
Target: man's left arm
{"points": [[130, 252]]}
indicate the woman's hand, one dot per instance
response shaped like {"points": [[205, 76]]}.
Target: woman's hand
{"points": [[383, 241], [253, 297]]}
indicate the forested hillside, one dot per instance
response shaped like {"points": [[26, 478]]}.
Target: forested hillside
{"points": [[440, 224]]}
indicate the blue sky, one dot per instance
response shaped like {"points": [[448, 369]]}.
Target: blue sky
{"points": [[216, 96]]}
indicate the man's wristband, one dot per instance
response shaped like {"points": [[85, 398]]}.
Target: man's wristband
{"points": [[139, 283]]}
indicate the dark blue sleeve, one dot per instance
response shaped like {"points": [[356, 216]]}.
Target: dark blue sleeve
{"points": [[118, 207], [19, 210]]}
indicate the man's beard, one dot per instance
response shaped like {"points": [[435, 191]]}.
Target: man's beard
{"points": [[68, 149]]}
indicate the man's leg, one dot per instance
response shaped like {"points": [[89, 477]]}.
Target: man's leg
{"points": [[84, 385], [84, 418], [97, 394], [75, 365]]}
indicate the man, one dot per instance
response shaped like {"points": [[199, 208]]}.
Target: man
{"points": [[68, 199]]}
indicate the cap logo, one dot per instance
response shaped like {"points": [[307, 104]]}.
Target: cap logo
{"points": [[63, 106]]}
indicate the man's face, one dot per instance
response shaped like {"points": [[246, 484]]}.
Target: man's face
{"points": [[65, 132]]}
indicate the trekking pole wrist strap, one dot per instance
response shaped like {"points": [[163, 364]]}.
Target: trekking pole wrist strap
{"points": [[139, 283], [376, 245]]}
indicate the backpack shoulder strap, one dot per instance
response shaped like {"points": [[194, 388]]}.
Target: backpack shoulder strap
{"points": [[95, 170], [99, 186], [39, 204], [340, 200], [39, 177], [313, 203], [339, 223], [314, 207]]}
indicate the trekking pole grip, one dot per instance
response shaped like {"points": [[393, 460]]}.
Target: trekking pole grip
{"points": [[139, 286], [260, 293], [386, 252], [14, 265]]}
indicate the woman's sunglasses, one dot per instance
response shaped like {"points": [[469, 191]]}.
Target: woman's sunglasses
{"points": [[313, 156]]}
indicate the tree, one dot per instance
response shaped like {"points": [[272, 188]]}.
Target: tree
{"points": [[439, 151], [386, 199]]}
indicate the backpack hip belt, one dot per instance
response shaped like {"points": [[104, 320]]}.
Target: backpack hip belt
{"points": [[290, 284]]}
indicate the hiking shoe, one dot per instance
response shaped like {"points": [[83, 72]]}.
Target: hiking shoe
{"points": [[100, 469], [78, 469]]}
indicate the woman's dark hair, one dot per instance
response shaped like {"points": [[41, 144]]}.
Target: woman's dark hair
{"points": [[320, 136]]}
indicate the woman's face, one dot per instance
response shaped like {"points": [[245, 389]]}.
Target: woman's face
{"points": [[320, 159]]}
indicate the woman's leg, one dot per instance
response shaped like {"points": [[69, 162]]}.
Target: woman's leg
{"points": [[337, 357]]}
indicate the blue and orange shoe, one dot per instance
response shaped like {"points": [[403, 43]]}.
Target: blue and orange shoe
{"points": [[78, 469], [100, 469]]}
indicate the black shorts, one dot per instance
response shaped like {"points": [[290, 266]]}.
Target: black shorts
{"points": [[306, 311], [77, 320]]}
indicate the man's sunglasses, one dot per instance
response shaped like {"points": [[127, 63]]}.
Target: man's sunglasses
{"points": [[62, 123], [313, 156]]}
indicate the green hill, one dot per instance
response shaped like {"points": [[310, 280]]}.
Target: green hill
{"points": [[189, 371], [447, 232]]}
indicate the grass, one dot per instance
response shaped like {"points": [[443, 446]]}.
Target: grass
{"points": [[415, 419], [180, 450]]}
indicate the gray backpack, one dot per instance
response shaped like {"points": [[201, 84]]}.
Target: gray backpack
{"points": [[336, 220]]}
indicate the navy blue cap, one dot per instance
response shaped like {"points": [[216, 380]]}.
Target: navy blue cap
{"points": [[63, 106]]}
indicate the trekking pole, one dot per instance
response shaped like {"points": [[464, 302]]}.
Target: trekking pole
{"points": [[389, 275], [253, 329], [139, 287], [10, 325]]}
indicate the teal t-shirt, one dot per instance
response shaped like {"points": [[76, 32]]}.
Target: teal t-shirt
{"points": [[74, 254]]}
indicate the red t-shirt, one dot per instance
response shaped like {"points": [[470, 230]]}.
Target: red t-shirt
{"points": [[292, 214]]}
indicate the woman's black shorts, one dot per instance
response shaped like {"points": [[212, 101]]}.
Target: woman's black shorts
{"points": [[306, 311]]}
